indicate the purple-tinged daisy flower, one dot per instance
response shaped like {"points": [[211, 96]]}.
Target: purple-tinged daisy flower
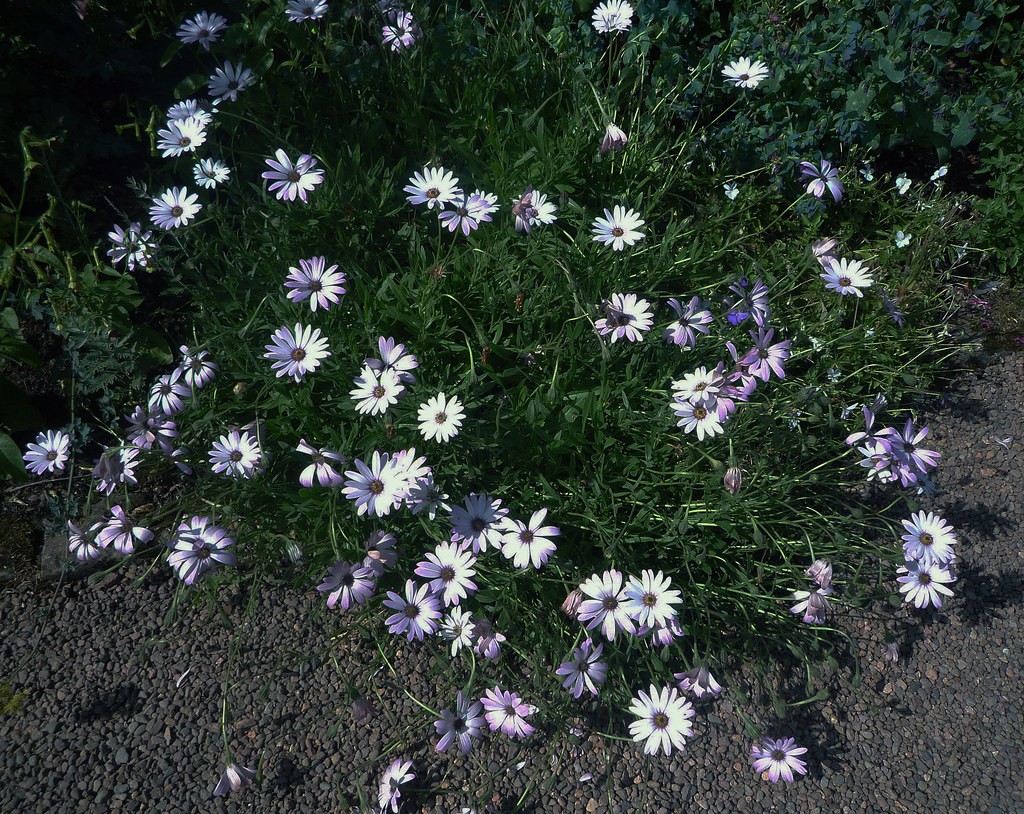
{"points": [[81, 546], [299, 11], [765, 358], [373, 394], [662, 635], [49, 453], [320, 468], [614, 139], [777, 758], [188, 109], [649, 599], [235, 777], [507, 711], [425, 494], [204, 28], [583, 670], [390, 784], [449, 568], [197, 547], [440, 418], [313, 280], [891, 309], [606, 607], [619, 228], [115, 467], [296, 354], [625, 316], [486, 203], [435, 187], [174, 208], [289, 180], [168, 393], [847, 277], [236, 454], [524, 543], [923, 582], [663, 720], [745, 74], [463, 726], [352, 584], [906, 450], [380, 553], [181, 137], [146, 429], [821, 572], [480, 521], [750, 301], [196, 368], [699, 681], [229, 81], [408, 469], [812, 604], [132, 245], [693, 318], [209, 172], [533, 208], [120, 531], [457, 627], [486, 640], [699, 387], [376, 489], [705, 421], [612, 16], [929, 539], [393, 357], [416, 615], [827, 177], [401, 32], [466, 214]]}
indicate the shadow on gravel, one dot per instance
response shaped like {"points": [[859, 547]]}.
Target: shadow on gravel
{"points": [[120, 701], [985, 594]]}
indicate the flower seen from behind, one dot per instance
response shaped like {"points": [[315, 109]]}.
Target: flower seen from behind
{"points": [[903, 184], [296, 353], [745, 74], [847, 277], [440, 418], [625, 317], [289, 180], [234, 778], [774, 759], [618, 228], [114, 467], [612, 16], [204, 28], [698, 681], [227, 82], [507, 711], [663, 720], [825, 177], [49, 453], [174, 208], [434, 187], [315, 281]]}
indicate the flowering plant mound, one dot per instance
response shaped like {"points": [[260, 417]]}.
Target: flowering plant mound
{"points": [[625, 515]]}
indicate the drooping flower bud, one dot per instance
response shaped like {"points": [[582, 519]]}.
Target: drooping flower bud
{"points": [[571, 605], [733, 480], [614, 139]]}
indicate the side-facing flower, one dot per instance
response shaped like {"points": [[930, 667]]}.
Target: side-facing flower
{"points": [[227, 82], [825, 177], [197, 370], [531, 209], [613, 16], [614, 139], [745, 74], [114, 467], [289, 180], [235, 777], [174, 208], [394, 357], [777, 758], [320, 468], [80, 544], [583, 670], [507, 711], [463, 726], [49, 453], [625, 317], [120, 531], [417, 614], [401, 32], [698, 681], [299, 11], [663, 720], [618, 228], [315, 281], [188, 109], [812, 604], [692, 318], [347, 583], [296, 353], [390, 784], [457, 627]]}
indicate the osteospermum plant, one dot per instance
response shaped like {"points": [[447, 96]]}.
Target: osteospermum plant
{"points": [[599, 335]]}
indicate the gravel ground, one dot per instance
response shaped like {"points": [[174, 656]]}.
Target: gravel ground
{"points": [[121, 715]]}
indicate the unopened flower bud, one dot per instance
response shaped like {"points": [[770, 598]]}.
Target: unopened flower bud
{"points": [[821, 572], [733, 480], [571, 605], [363, 710], [614, 139]]}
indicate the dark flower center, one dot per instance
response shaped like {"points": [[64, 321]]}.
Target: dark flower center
{"points": [[924, 578], [440, 418], [376, 487], [700, 413], [478, 524], [744, 76], [433, 192], [447, 573], [610, 603], [650, 600], [177, 211], [660, 720], [202, 554], [412, 611], [315, 285], [526, 537], [510, 710], [618, 231], [236, 456], [844, 281], [778, 756], [927, 539], [461, 211], [184, 141], [348, 580], [379, 392], [51, 455]]}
